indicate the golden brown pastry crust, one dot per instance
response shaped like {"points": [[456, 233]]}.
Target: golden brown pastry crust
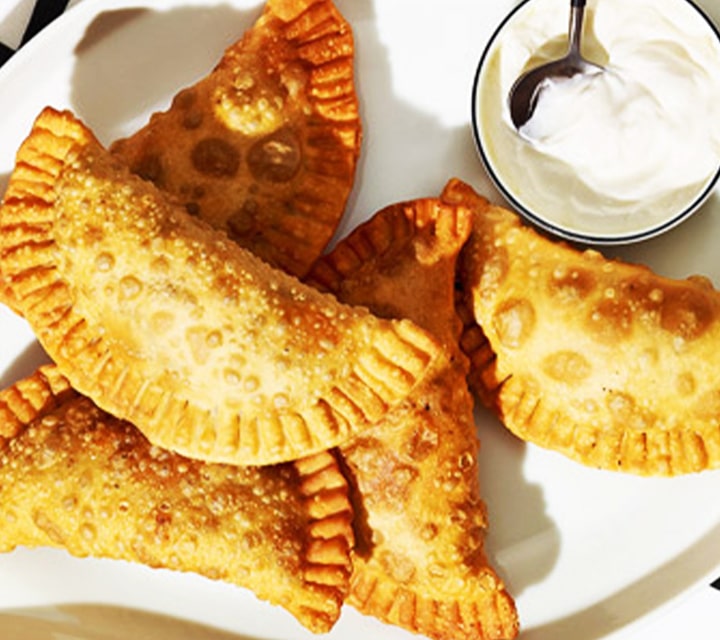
{"points": [[162, 321], [604, 361], [74, 477], [266, 146], [419, 561], [404, 246]]}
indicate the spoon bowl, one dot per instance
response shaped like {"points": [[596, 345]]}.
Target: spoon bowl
{"points": [[524, 93]]}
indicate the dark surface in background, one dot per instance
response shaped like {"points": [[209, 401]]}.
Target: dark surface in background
{"points": [[5, 53], [44, 12]]}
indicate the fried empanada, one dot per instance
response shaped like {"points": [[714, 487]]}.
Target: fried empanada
{"points": [[605, 361], [419, 561], [266, 146], [164, 322], [74, 477]]}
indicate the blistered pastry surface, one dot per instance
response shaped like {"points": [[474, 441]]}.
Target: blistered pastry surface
{"points": [[163, 321], [419, 561], [603, 360], [265, 147], [74, 477]]}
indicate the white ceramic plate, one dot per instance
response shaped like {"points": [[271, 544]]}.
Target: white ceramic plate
{"points": [[587, 554]]}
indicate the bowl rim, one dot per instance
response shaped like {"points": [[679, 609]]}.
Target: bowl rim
{"points": [[543, 222]]}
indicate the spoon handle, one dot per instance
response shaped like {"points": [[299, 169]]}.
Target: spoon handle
{"points": [[577, 10]]}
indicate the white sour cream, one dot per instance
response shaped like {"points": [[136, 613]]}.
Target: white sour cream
{"points": [[616, 153]]}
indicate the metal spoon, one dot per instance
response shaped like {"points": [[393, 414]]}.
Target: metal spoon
{"points": [[524, 93]]}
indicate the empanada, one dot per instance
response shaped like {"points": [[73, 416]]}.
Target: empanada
{"points": [[419, 561], [164, 322], [604, 361], [266, 146], [74, 477]]}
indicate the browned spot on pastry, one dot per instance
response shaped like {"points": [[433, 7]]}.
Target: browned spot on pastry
{"points": [[275, 158], [216, 157], [193, 208], [686, 312], [569, 367], [192, 120], [192, 194], [514, 322], [611, 318], [243, 223], [185, 99]]}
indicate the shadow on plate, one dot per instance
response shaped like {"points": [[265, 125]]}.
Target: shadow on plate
{"points": [[523, 542], [638, 600], [132, 61], [25, 364], [102, 622], [407, 151]]}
